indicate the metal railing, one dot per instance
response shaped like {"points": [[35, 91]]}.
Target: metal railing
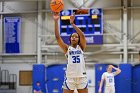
{"points": [[7, 80]]}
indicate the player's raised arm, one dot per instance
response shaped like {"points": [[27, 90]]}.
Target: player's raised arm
{"points": [[118, 71], [58, 38], [82, 37]]}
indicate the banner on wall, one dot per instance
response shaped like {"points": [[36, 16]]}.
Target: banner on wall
{"points": [[12, 28]]}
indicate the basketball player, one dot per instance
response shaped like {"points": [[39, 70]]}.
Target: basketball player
{"points": [[37, 88], [75, 73], [108, 77]]}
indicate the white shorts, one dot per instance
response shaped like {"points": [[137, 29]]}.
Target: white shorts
{"points": [[78, 83], [109, 89]]}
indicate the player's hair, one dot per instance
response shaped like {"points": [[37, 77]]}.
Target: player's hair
{"points": [[107, 66], [37, 82], [78, 39]]}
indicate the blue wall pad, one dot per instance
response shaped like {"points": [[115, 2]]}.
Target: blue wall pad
{"points": [[55, 77], [136, 79], [39, 75], [124, 79]]}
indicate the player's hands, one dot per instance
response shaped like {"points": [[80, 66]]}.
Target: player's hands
{"points": [[56, 16], [72, 17], [111, 66]]}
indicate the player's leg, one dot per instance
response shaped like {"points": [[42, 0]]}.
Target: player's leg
{"points": [[107, 90], [68, 85], [82, 85], [113, 89], [82, 90], [67, 91]]}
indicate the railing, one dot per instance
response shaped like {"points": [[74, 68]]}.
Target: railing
{"points": [[7, 81]]}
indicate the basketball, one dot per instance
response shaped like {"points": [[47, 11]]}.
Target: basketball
{"points": [[56, 5]]}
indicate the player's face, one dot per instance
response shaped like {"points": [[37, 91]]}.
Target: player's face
{"points": [[74, 38], [109, 69], [38, 84]]}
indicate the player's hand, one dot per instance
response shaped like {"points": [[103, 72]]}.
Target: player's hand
{"points": [[111, 66], [72, 17], [56, 16]]}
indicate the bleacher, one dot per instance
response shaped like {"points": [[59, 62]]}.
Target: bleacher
{"points": [[8, 81]]}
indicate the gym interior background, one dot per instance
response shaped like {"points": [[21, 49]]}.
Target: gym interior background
{"points": [[37, 45]]}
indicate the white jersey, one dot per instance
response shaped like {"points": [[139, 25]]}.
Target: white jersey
{"points": [[109, 78], [76, 62]]}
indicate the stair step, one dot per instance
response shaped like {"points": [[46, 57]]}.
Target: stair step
{"points": [[7, 91], [4, 87]]}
